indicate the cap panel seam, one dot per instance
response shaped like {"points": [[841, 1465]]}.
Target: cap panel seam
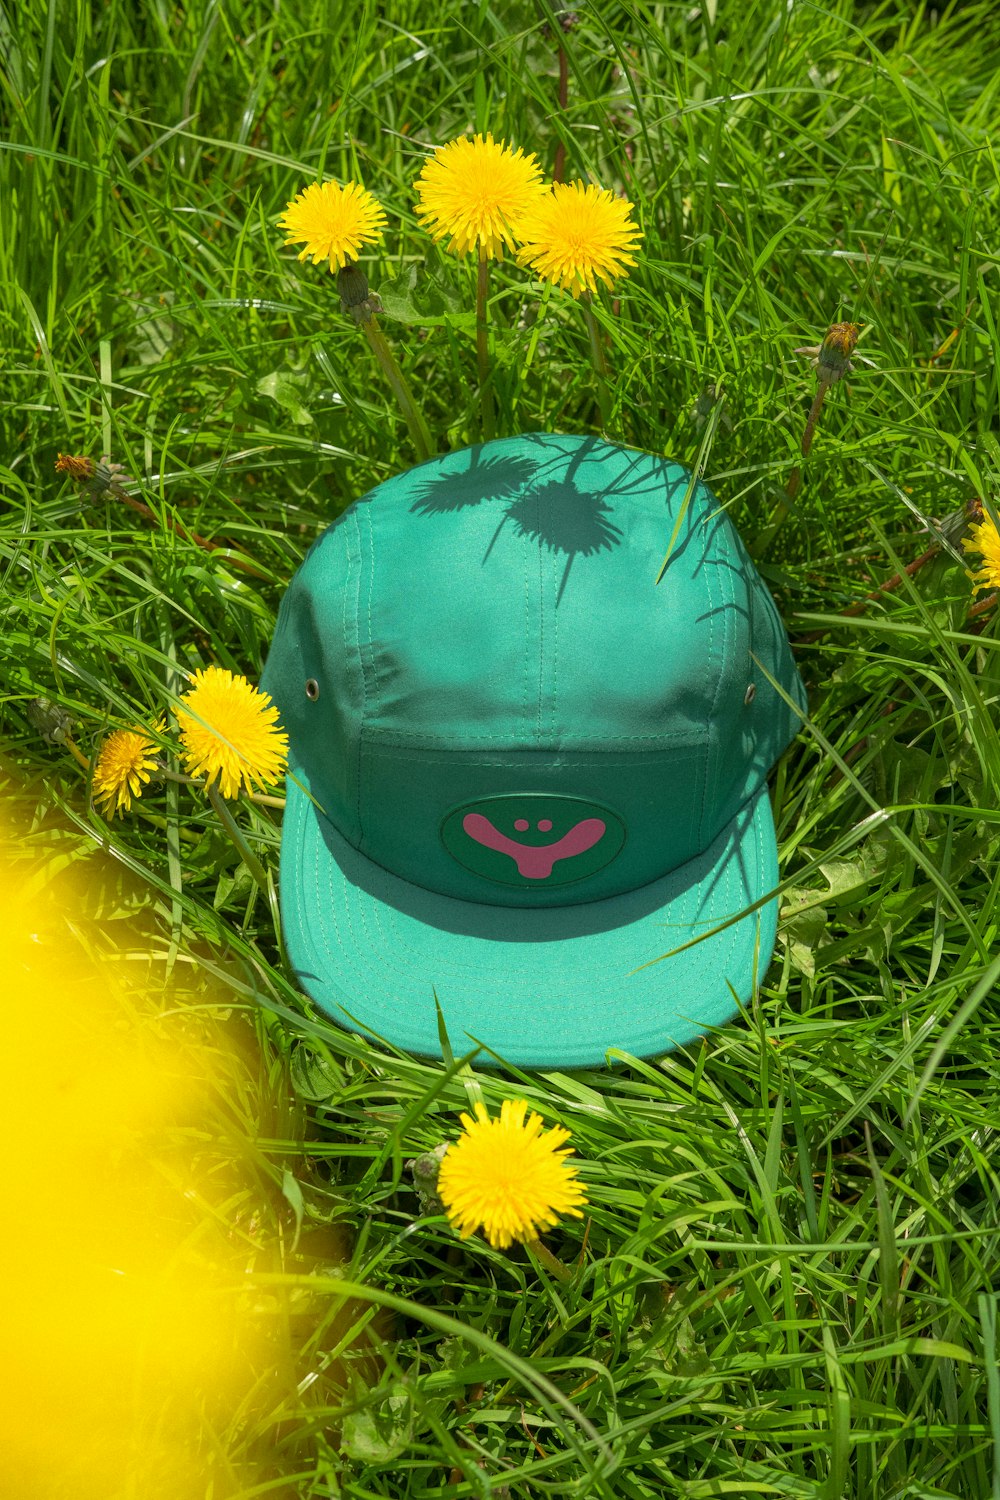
{"points": [[728, 611], [525, 698], [561, 764], [709, 770], [696, 739], [554, 680], [540, 564], [371, 591], [359, 646]]}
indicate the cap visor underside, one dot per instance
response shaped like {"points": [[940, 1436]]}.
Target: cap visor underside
{"points": [[541, 988]]}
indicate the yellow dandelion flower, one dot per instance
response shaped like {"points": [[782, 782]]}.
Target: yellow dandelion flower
{"points": [[229, 732], [333, 222], [985, 539], [577, 233], [477, 191], [123, 766], [508, 1176]]}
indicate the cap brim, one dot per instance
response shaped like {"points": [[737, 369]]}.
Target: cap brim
{"points": [[541, 988]]}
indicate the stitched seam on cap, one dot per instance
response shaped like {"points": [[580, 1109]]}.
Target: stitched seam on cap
{"points": [[541, 609], [554, 679], [525, 707], [345, 634], [415, 741], [595, 758], [729, 628], [371, 591], [364, 677], [711, 712]]}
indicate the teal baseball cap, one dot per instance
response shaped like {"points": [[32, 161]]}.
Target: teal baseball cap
{"points": [[522, 770]]}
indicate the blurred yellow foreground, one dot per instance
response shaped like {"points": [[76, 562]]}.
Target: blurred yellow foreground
{"points": [[127, 1331]]}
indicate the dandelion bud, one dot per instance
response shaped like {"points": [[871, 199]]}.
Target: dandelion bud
{"points": [[834, 360], [566, 20], [425, 1179], [97, 478], [51, 721], [355, 297], [706, 404], [79, 469]]}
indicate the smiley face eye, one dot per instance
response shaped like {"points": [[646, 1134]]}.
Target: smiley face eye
{"points": [[312, 689]]}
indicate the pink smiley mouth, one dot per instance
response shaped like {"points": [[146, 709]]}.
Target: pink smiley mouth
{"points": [[534, 862]]}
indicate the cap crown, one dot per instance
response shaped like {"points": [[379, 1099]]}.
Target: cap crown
{"points": [[489, 695]]}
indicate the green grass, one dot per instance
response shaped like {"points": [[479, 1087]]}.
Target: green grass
{"points": [[788, 1283]]}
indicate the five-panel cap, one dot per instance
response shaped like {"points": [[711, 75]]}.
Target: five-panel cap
{"points": [[524, 775]]}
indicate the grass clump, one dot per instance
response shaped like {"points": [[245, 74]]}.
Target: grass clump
{"points": [[785, 1281]]}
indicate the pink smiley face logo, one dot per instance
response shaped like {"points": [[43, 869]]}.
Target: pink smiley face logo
{"points": [[504, 838]]}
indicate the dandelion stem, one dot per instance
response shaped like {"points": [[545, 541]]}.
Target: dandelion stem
{"points": [[807, 436], [263, 800], [483, 350], [784, 507], [983, 605], [860, 605], [76, 753], [260, 798], [229, 823], [412, 415], [559, 167], [551, 1262], [598, 358], [98, 480]]}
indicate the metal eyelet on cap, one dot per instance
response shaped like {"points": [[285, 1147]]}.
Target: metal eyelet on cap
{"points": [[750, 695], [312, 689]]}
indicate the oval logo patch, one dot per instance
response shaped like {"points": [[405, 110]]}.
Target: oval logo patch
{"points": [[533, 839]]}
